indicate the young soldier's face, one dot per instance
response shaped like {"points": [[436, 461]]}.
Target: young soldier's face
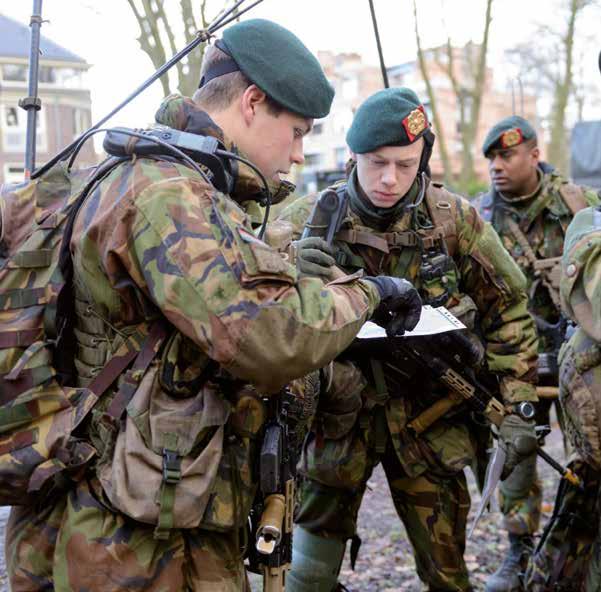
{"points": [[386, 174], [513, 170], [273, 142]]}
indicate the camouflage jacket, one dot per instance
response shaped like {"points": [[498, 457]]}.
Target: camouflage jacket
{"points": [[543, 220], [155, 239], [580, 357], [480, 283]]}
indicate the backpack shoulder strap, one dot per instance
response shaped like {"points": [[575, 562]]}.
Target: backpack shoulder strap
{"points": [[573, 197], [442, 207]]}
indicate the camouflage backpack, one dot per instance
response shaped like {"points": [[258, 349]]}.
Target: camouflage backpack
{"points": [[38, 411]]}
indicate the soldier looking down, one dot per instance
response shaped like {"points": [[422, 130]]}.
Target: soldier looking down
{"points": [[401, 223], [159, 252]]}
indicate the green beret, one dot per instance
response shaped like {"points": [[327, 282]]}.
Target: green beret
{"points": [[278, 62], [390, 117], [509, 132]]}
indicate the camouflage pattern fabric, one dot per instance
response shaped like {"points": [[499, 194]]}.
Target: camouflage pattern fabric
{"points": [[433, 509], [569, 558], [482, 284], [31, 534], [543, 219], [154, 236], [562, 560], [581, 272]]}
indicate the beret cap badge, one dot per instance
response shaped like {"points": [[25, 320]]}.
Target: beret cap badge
{"points": [[415, 123], [511, 138]]}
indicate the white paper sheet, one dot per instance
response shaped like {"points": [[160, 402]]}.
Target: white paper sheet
{"points": [[431, 322]]}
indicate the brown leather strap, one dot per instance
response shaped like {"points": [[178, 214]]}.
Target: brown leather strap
{"points": [[19, 338], [442, 209], [132, 377], [359, 237], [573, 197], [543, 272]]}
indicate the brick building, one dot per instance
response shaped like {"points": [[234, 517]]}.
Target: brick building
{"points": [[66, 103]]}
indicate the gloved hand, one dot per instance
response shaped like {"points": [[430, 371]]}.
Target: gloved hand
{"points": [[314, 257], [400, 304], [519, 438]]}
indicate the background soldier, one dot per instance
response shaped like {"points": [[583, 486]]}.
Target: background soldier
{"points": [[401, 223], [569, 555], [157, 248], [530, 205]]}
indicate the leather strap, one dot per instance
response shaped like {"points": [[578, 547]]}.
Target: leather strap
{"points": [[573, 197], [544, 273]]}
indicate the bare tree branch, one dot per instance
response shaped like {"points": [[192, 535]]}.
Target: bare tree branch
{"points": [[442, 147]]}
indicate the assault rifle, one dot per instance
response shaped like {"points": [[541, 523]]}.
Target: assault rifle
{"points": [[450, 359], [270, 548]]}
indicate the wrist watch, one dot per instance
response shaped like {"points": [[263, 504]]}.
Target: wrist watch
{"points": [[525, 410]]}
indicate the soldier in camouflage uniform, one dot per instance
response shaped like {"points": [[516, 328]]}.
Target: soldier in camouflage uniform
{"points": [[569, 555], [401, 223], [160, 255], [530, 205]]}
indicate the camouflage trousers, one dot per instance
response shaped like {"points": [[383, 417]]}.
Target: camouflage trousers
{"points": [[568, 557], [432, 508], [79, 544]]}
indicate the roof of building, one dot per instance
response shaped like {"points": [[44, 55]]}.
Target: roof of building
{"points": [[15, 40]]}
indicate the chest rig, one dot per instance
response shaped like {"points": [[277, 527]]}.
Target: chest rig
{"points": [[423, 254]]}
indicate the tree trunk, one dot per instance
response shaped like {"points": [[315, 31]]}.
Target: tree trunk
{"points": [[156, 34], [468, 174], [440, 137], [557, 153]]}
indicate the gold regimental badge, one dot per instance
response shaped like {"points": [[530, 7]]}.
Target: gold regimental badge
{"points": [[416, 122], [511, 137]]}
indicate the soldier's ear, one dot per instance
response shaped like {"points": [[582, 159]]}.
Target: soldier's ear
{"points": [[251, 98], [535, 152]]}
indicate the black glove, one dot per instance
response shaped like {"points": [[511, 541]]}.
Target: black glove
{"points": [[400, 304], [314, 257], [519, 438]]}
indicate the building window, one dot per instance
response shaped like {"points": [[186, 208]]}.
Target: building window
{"points": [[13, 122], [14, 73], [317, 129], [340, 155], [313, 159], [47, 75], [14, 173]]}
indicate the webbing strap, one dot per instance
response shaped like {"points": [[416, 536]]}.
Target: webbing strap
{"points": [[543, 273], [172, 475], [22, 298], [381, 428], [133, 376], [359, 237], [573, 197], [27, 259], [19, 338]]}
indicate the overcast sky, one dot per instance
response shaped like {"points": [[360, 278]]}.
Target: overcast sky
{"points": [[104, 33]]}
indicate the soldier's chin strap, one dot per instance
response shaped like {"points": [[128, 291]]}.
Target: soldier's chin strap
{"points": [[424, 166]]}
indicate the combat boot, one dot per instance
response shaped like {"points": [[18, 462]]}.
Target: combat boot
{"points": [[507, 577]]}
